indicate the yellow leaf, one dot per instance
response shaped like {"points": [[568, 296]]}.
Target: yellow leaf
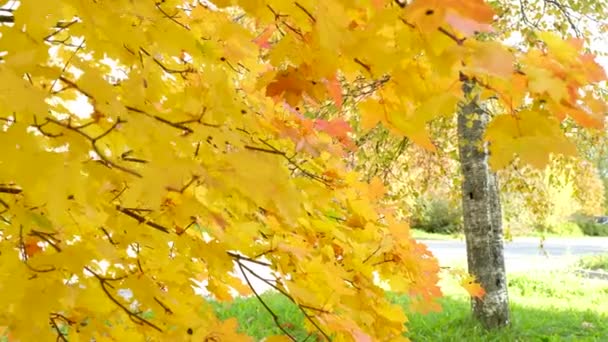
{"points": [[472, 287], [543, 81], [534, 136], [372, 112], [563, 50], [16, 95]]}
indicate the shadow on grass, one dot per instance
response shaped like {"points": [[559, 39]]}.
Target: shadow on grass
{"points": [[454, 323]]}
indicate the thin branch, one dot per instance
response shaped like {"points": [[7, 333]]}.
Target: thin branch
{"points": [[114, 125], [450, 35], [274, 150], [93, 141], [182, 231], [165, 68], [46, 134], [274, 316], [260, 149], [170, 17], [164, 306], [302, 309], [60, 335], [9, 190], [272, 250], [373, 253], [365, 66], [125, 156], [141, 219], [73, 85], [5, 205], [48, 238], [183, 188], [186, 129], [562, 8], [60, 28], [107, 234], [308, 14], [103, 282], [7, 19], [63, 318], [26, 257], [242, 257]]}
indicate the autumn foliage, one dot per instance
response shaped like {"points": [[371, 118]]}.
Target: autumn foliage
{"points": [[144, 145]]}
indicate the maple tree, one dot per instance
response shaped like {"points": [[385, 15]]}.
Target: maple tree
{"points": [[194, 153]]}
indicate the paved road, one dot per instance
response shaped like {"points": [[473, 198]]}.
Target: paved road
{"points": [[526, 254]]}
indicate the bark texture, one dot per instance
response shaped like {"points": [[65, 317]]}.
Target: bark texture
{"points": [[482, 215]]}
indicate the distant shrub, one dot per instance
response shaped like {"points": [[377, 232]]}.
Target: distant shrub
{"points": [[438, 216], [565, 228], [589, 225], [594, 262]]}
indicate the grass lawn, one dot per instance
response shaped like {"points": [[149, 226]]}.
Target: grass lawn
{"points": [[594, 262], [546, 307]]}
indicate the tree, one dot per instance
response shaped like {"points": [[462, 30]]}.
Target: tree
{"points": [[146, 145], [482, 213]]}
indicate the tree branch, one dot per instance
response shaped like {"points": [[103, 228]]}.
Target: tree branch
{"points": [[9, 190], [93, 141], [103, 282], [7, 19], [274, 316], [301, 307], [141, 219]]}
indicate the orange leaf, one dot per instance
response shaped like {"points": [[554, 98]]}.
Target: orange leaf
{"points": [[466, 26], [477, 10], [335, 90], [288, 85], [379, 4], [424, 306], [31, 247], [262, 39], [376, 189], [337, 128], [492, 58]]}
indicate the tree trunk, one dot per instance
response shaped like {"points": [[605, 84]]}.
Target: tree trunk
{"points": [[482, 214]]}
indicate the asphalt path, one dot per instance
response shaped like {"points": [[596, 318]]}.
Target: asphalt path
{"points": [[526, 254]]}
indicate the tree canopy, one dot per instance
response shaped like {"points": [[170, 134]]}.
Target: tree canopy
{"points": [[147, 146]]}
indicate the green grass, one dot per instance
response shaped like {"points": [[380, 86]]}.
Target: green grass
{"points": [[594, 262], [549, 307]]}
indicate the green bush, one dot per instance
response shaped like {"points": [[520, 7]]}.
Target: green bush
{"points": [[438, 216], [566, 228], [594, 262], [590, 227]]}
